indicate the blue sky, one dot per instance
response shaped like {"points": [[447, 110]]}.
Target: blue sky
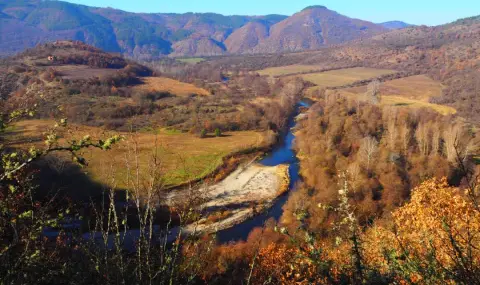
{"points": [[428, 12]]}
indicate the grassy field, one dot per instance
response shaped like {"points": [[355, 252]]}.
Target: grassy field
{"points": [[343, 76], [413, 91], [76, 72], [401, 101], [169, 85], [289, 69], [419, 87], [182, 156], [191, 60]]}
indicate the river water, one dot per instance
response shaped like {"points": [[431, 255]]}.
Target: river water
{"points": [[282, 154]]}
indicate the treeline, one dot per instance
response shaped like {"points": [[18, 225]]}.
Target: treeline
{"points": [[385, 152], [247, 102], [76, 52], [197, 74], [244, 101]]}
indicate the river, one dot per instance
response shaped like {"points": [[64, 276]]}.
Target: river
{"points": [[282, 154]]}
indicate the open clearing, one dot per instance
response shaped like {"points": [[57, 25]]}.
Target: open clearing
{"points": [[182, 156], [341, 77], [162, 84], [78, 72], [419, 87], [191, 60], [413, 91], [289, 69], [400, 101]]}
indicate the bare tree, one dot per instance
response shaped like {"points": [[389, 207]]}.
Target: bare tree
{"points": [[422, 136], [450, 136], [458, 143], [392, 128], [459, 147], [368, 149], [436, 135], [329, 140], [405, 133], [373, 92], [353, 171]]}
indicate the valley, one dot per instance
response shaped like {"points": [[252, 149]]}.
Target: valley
{"points": [[200, 148]]}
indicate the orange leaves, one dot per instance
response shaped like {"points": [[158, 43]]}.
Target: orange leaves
{"points": [[438, 226], [432, 239], [436, 215], [280, 264]]}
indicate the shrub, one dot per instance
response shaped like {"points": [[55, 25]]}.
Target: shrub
{"points": [[203, 133], [74, 91], [218, 133], [19, 69]]}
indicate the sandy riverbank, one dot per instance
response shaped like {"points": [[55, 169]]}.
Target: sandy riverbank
{"points": [[246, 191]]}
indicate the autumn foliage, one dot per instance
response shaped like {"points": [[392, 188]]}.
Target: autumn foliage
{"points": [[433, 238], [385, 151]]}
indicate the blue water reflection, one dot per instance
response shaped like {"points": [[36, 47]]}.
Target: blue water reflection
{"points": [[282, 154]]}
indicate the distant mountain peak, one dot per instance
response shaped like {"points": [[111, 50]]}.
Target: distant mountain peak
{"points": [[314, 7], [394, 25], [314, 28]]}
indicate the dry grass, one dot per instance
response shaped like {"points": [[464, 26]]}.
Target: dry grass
{"points": [[343, 76], [401, 101], [76, 72], [413, 92], [191, 60], [162, 84], [183, 156], [419, 87], [289, 69]]}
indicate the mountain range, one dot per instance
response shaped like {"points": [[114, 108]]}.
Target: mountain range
{"points": [[25, 23]]}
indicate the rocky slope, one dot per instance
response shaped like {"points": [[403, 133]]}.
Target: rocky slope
{"points": [[202, 46], [247, 37]]}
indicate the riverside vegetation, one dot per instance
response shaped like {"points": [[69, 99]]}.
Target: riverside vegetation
{"points": [[389, 196], [432, 238]]}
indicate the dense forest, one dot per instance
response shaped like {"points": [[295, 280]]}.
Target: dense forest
{"points": [[385, 152]]}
